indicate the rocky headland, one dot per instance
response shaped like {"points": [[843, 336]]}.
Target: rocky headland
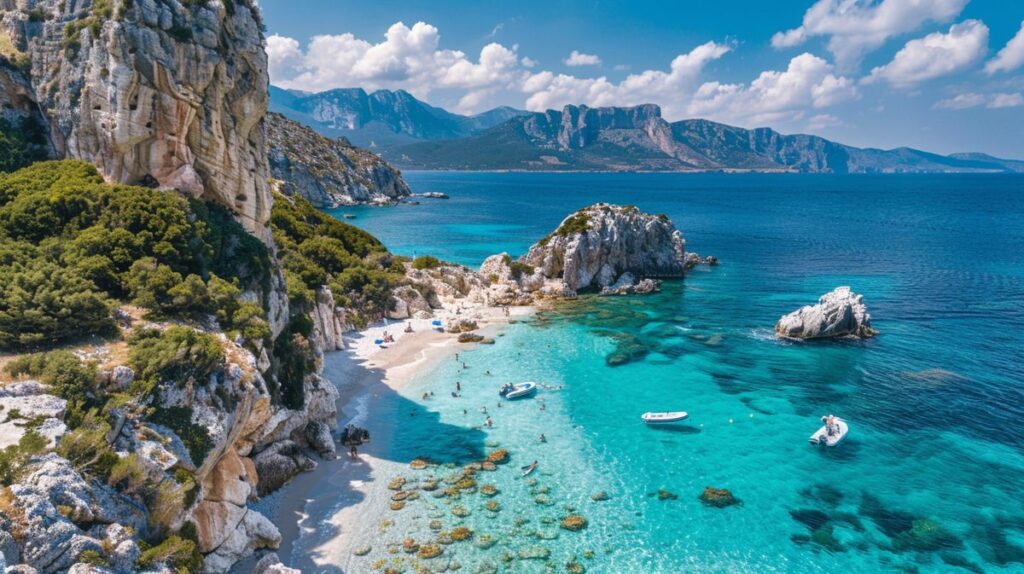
{"points": [[838, 313], [329, 172]]}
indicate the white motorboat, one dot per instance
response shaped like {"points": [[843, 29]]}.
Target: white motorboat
{"points": [[662, 418], [518, 390], [832, 433]]}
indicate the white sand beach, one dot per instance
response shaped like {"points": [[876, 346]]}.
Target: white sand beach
{"points": [[314, 510]]}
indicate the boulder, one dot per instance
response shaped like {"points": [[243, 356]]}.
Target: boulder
{"points": [[121, 377], [17, 410], [406, 301], [278, 463], [318, 435], [839, 313], [329, 322], [271, 564], [252, 532]]}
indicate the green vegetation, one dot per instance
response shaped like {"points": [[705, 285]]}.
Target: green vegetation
{"points": [[174, 551], [66, 376], [176, 354], [71, 245], [575, 223], [426, 262], [195, 437], [520, 270], [14, 457], [21, 143]]}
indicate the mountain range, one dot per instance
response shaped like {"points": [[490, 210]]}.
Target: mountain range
{"points": [[414, 135]]}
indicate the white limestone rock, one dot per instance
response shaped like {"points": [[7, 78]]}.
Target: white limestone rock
{"points": [[594, 247], [839, 313]]}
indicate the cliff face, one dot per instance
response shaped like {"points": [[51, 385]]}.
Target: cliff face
{"points": [[157, 92], [329, 172]]}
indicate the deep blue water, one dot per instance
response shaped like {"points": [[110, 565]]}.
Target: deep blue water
{"points": [[932, 474]]}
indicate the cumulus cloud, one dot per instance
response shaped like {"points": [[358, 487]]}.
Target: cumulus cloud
{"points": [[935, 55], [807, 83], [581, 59], [1010, 57], [974, 100], [407, 58], [857, 27], [668, 88]]}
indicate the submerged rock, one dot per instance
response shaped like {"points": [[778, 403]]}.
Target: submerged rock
{"points": [[840, 313], [718, 497]]}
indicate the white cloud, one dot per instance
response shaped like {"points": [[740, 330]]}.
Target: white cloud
{"points": [[669, 89], [974, 100], [807, 83], [857, 27], [581, 59], [407, 58], [412, 58], [1010, 57], [822, 121], [935, 55]]}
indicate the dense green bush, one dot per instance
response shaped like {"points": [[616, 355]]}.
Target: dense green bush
{"points": [[71, 245], [21, 143], [426, 262], [174, 354], [318, 250]]}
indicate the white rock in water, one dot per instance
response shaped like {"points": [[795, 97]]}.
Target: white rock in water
{"points": [[840, 313], [596, 246]]}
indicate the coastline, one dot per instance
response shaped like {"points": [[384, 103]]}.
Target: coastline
{"points": [[315, 510]]}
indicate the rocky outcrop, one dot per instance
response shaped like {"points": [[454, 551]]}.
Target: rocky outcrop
{"points": [[330, 322], [329, 172], [596, 247], [156, 92], [276, 465], [840, 313], [25, 403]]}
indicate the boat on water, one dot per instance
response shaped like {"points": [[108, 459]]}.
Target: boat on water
{"points": [[832, 433], [518, 390], [664, 417], [529, 468]]}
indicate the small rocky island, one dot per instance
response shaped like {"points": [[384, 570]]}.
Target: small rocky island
{"points": [[609, 249], [839, 313]]}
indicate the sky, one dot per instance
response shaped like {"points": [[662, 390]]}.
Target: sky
{"points": [[941, 75]]}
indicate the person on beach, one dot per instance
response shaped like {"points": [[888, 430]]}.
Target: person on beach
{"points": [[408, 327]]}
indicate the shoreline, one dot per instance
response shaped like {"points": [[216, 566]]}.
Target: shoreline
{"points": [[363, 373]]}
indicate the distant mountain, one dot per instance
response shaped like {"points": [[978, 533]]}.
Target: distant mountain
{"points": [[639, 139], [382, 119]]}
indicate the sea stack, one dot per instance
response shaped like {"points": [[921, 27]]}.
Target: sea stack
{"points": [[609, 246], [840, 313]]}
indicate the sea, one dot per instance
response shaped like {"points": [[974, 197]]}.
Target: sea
{"points": [[929, 479]]}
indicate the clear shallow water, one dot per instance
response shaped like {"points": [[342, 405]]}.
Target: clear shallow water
{"points": [[931, 475]]}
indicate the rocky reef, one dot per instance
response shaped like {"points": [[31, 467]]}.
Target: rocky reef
{"points": [[156, 92], [329, 172], [839, 313]]}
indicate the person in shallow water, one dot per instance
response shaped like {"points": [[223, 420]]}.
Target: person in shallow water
{"points": [[543, 438], [490, 423], [458, 386]]}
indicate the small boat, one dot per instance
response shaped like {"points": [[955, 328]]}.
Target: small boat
{"points": [[349, 216], [529, 468], [832, 433], [518, 390], [662, 418]]}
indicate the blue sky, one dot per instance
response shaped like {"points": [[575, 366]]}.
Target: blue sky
{"points": [[940, 75]]}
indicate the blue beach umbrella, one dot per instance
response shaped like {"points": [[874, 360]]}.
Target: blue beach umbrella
{"points": [[436, 323]]}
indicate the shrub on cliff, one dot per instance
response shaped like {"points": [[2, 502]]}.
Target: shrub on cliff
{"points": [[66, 376], [175, 354], [317, 250], [71, 245]]}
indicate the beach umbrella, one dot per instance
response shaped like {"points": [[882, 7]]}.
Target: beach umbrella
{"points": [[436, 322], [378, 342]]}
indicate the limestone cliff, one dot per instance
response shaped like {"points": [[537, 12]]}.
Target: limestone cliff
{"points": [[329, 172], [159, 92]]}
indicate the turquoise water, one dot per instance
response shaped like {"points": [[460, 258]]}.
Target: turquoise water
{"points": [[931, 475]]}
